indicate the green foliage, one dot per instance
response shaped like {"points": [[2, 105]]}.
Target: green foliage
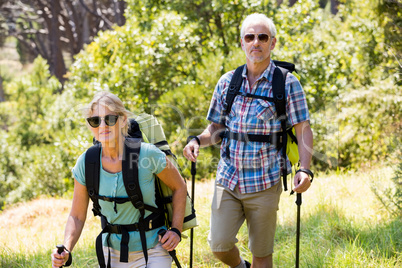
{"points": [[31, 162], [390, 194], [167, 59], [138, 65]]}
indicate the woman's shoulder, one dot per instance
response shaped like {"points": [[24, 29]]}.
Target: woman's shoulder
{"points": [[149, 148]]}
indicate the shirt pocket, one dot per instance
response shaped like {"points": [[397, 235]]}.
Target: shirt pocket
{"points": [[265, 110]]}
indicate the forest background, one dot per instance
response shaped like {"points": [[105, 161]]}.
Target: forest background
{"points": [[165, 58]]}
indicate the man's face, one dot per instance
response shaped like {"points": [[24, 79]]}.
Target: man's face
{"points": [[257, 51]]}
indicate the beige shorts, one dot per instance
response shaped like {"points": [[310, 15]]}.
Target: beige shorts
{"points": [[158, 257], [231, 208]]}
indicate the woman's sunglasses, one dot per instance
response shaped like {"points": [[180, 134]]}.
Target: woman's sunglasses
{"points": [[262, 37], [95, 121]]}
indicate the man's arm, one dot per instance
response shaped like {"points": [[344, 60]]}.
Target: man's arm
{"points": [[208, 137], [305, 145]]}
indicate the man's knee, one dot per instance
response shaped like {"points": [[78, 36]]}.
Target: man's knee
{"points": [[265, 261]]}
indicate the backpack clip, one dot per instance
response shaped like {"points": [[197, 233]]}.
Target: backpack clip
{"points": [[139, 205]]}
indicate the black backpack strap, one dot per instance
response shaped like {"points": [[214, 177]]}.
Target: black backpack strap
{"points": [[234, 88], [287, 65], [132, 149], [278, 88], [134, 130], [92, 169], [92, 180]]}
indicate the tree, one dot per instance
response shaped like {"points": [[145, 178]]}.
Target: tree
{"points": [[49, 28]]}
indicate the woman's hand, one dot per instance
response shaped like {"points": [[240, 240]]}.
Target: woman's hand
{"points": [[169, 240], [59, 260]]}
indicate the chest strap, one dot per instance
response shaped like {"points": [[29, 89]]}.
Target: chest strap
{"points": [[275, 138], [151, 222]]}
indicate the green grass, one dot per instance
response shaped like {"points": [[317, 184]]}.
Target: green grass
{"points": [[342, 225]]}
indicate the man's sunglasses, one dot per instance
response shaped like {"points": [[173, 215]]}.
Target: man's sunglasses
{"points": [[95, 121], [262, 37]]}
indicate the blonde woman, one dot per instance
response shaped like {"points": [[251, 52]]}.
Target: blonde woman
{"points": [[108, 121]]}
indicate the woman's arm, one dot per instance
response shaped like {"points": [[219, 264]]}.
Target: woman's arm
{"points": [[75, 223], [172, 178]]}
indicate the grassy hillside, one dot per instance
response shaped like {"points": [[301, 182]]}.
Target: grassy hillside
{"points": [[343, 225]]}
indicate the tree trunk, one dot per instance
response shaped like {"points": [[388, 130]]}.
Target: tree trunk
{"points": [[334, 6], [57, 64], [279, 2], [292, 2]]}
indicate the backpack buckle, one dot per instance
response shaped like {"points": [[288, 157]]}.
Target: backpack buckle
{"points": [[139, 205]]}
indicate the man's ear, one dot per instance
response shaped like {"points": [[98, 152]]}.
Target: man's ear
{"points": [[273, 43], [242, 44]]}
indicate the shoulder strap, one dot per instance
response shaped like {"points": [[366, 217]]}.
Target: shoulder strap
{"points": [[278, 88], [234, 88], [131, 156], [92, 168]]}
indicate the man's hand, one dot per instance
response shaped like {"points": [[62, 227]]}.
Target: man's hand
{"points": [[302, 182], [191, 150]]}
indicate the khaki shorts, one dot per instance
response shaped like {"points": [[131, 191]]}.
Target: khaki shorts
{"points": [[230, 209], [158, 257]]}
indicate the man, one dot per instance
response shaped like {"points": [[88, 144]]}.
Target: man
{"points": [[248, 184]]}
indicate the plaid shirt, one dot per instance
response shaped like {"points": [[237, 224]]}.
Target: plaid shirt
{"points": [[254, 165]]}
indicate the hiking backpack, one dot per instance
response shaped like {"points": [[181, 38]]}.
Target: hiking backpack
{"points": [[286, 141], [144, 128]]}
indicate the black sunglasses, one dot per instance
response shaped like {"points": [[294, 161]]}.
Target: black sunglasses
{"points": [[95, 121], [262, 37]]}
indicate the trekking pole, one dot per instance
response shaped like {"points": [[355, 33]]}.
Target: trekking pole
{"points": [[298, 203], [193, 172]]}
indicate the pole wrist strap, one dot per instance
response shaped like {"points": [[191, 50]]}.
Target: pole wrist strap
{"points": [[176, 231], [308, 172], [194, 137]]}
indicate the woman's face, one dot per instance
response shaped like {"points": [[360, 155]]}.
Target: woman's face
{"points": [[107, 134]]}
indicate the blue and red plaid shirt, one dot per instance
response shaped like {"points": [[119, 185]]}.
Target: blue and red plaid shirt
{"points": [[255, 166]]}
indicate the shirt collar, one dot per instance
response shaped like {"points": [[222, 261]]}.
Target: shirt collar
{"points": [[267, 74]]}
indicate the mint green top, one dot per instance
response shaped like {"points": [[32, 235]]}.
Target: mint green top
{"points": [[151, 161]]}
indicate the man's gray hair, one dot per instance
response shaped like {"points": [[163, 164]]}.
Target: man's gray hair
{"points": [[258, 17]]}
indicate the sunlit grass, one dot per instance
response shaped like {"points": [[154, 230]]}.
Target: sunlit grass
{"points": [[342, 225]]}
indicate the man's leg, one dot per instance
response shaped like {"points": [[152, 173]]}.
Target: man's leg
{"points": [[261, 212], [231, 257], [264, 262], [227, 216]]}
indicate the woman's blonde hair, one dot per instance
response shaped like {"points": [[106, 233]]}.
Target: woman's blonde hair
{"points": [[113, 103]]}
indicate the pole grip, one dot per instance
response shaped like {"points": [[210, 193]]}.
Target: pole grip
{"points": [[193, 168], [298, 199], [60, 249]]}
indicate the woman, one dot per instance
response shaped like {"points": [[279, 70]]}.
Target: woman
{"points": [[108, 121]]}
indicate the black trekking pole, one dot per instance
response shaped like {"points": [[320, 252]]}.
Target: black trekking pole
{"points": [[298, 203], [193, 172]]}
